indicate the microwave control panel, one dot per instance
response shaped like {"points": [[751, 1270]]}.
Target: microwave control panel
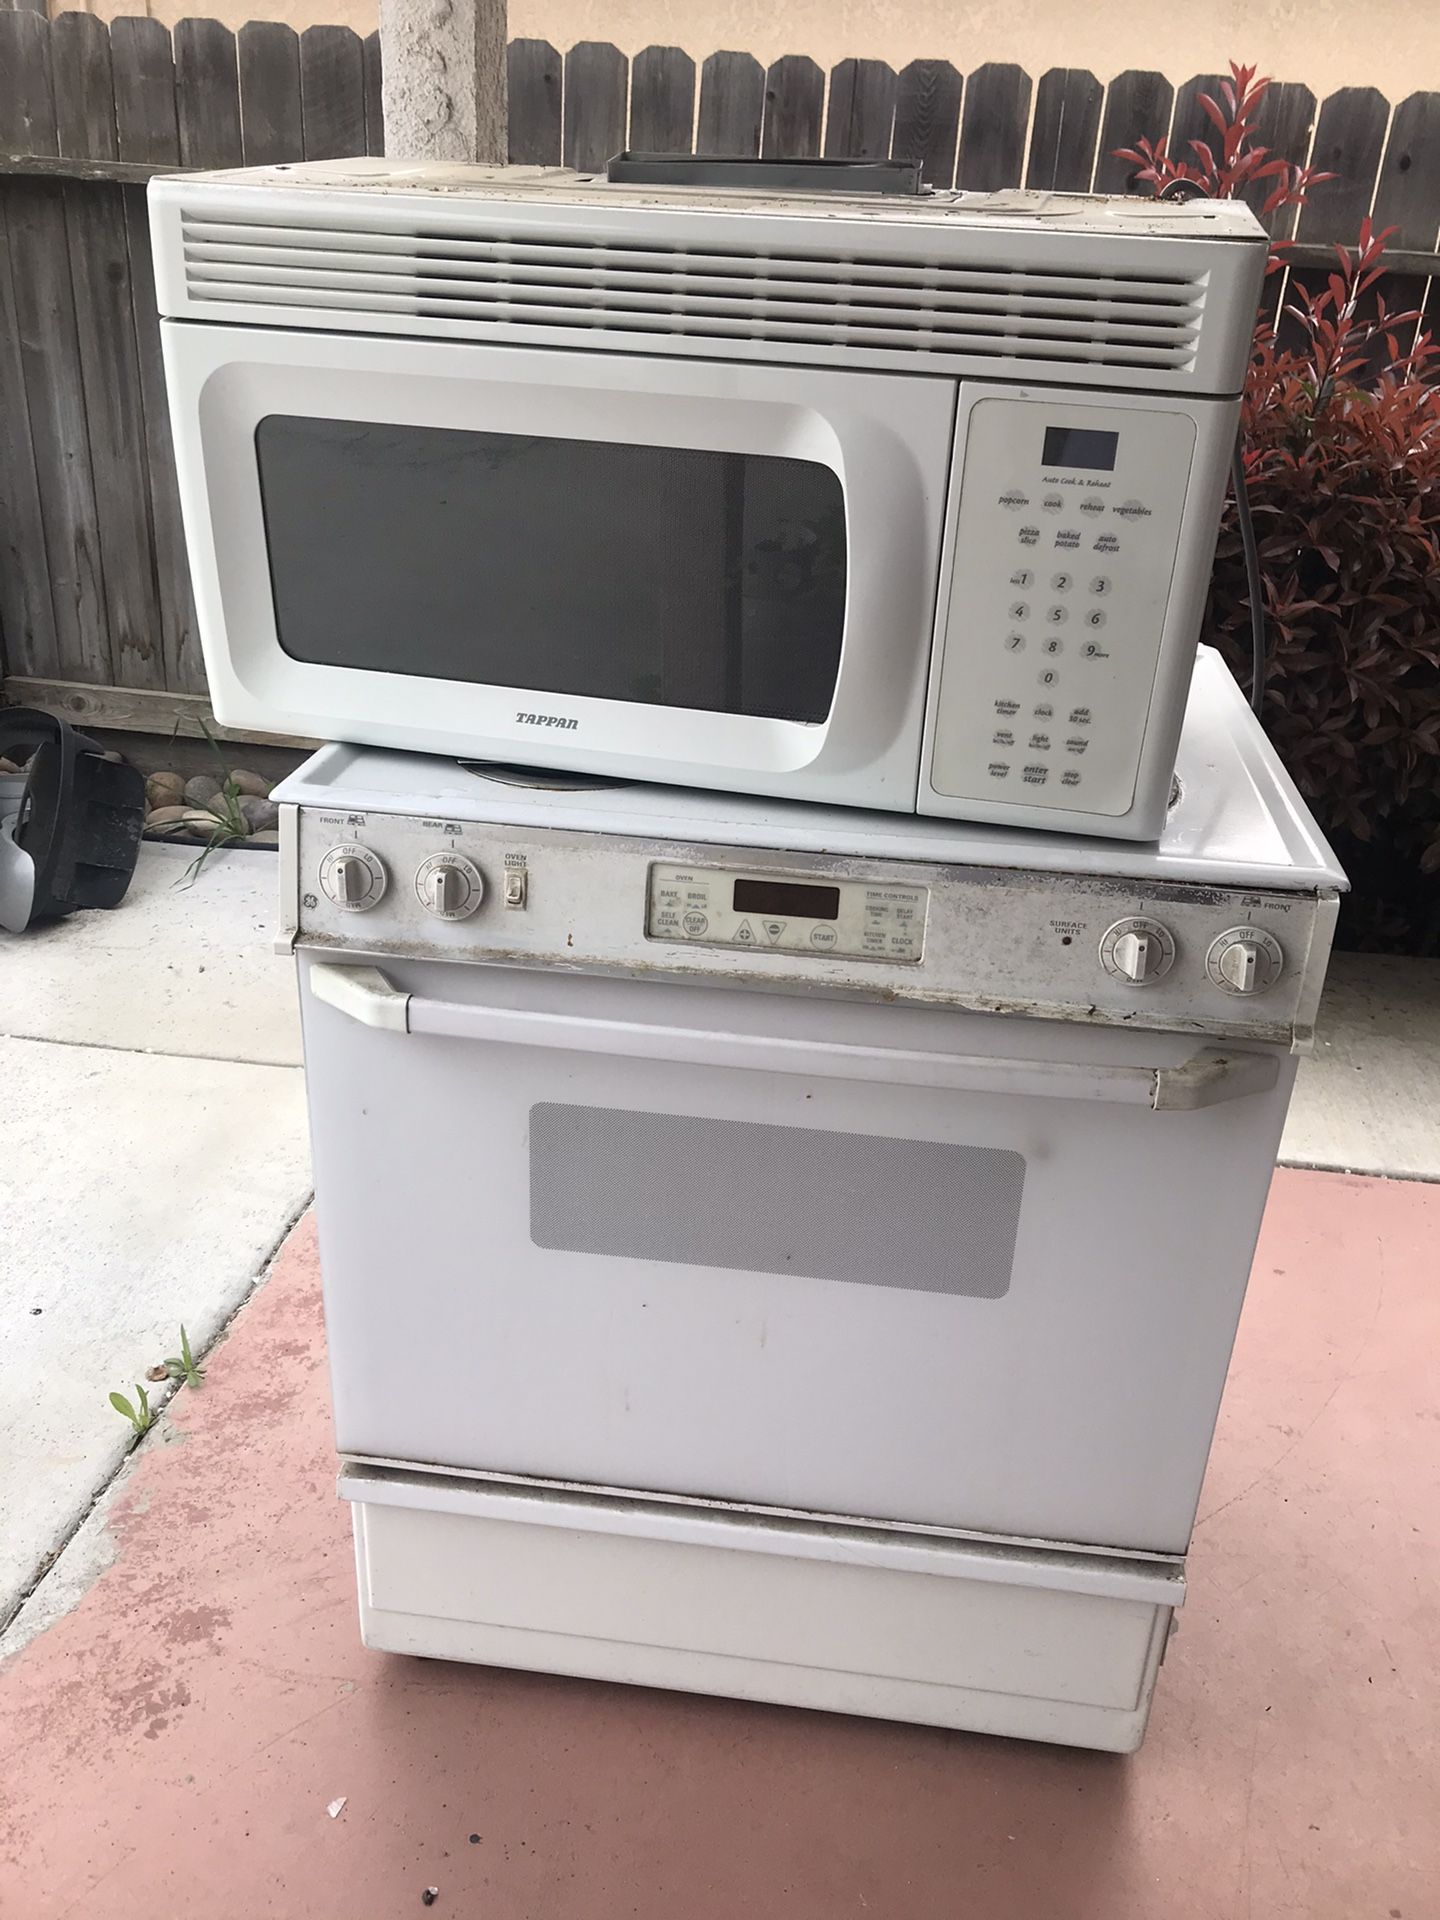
{"points": [[1065, 543], [853, 919]]}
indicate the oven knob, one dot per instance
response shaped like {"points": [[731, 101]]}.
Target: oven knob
{"points": [[1138, 951], [449, 886], [353, 878], [1245, 960]]}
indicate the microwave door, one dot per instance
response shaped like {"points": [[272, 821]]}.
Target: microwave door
{"points": [[716, 575]]}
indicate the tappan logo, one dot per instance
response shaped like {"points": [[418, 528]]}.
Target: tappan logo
{"points": [[546, 720]]}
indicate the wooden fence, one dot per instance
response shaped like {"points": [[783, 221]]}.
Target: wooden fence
{"points": [[95, 608]]}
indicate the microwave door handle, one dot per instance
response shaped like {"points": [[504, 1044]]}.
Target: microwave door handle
{"points": [[1207, 1078]]}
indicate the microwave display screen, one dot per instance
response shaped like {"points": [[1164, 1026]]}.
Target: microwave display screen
{"points": [[670, 576], [786, 896], [1080, 447]]}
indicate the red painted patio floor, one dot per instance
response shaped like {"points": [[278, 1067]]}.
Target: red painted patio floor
{"points": [[171, 1746]]}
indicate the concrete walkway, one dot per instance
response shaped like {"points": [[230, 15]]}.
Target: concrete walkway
{"points": [[153, 1154]]}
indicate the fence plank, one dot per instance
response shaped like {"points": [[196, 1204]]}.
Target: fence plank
{"points": [[144, 69], [207, 94], [732, 105], [27, 619], [662, 101], [27, 99], [927, 118], [1190, 120], [332, 93], [374, 99], [1349, 139], [1066, 129], [594, 105], [533, 75], [270, 124], [183, 669], [84, 87], [1407, 193], [1284, 122], [794, 109], [992, 128], [115, 421], [861, 115], [1138, 106], [50, 355]]}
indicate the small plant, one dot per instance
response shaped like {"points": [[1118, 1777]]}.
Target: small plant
{"points": [[1238, 164], [230, 822], [142, 1420], [183, 1367]]}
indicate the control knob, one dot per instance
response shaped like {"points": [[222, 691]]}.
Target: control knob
{"points": [[1138, 951], [449, 886], [1245, 960], [353, 878]]}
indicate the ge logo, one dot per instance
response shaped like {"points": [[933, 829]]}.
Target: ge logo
{"points": [[312, 899]]}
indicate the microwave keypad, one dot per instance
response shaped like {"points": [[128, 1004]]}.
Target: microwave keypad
{"points": [[1058, 597], [769, 912]]}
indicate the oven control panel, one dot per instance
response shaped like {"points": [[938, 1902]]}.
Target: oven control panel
{"points": [[723, 907], [1060, 946]]}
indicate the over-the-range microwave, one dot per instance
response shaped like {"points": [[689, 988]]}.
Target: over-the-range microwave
{"points": [[891, 501]]}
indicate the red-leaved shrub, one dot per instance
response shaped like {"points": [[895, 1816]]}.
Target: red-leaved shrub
{"points": [[1342, 468]]}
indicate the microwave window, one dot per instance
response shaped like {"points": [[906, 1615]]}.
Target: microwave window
{"points": [[670, 576]]}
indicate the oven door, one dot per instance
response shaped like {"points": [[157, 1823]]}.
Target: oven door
{"points": [[880, 1261], [669, 569]]}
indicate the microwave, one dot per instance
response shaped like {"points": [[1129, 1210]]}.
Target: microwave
{"points": [[892, 501]]}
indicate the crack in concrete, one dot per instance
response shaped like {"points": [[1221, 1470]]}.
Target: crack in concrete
{"points": [[156, 1435]]}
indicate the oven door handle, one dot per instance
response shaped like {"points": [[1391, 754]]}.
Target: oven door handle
{"points": [[1207, 1078]]}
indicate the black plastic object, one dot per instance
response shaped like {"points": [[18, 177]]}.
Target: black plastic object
{"points": [[769, 176], [81, 815]]}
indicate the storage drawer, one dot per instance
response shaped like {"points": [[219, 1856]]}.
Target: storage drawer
{"points": [[1042, 1644]]}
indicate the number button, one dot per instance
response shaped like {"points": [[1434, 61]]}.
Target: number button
{"points": [[1049, 677], [1095, 617], [1014, 642], [1054, 646], [1022, 577], [1060, 583], [1100, 584], [1057, 616], [1020, 610]]}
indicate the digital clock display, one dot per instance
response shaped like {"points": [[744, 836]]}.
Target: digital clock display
{"points": [[1085, 447], [788, 897]]}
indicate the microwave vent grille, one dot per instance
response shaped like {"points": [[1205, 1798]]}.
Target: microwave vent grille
{"points": [[572, 287]]}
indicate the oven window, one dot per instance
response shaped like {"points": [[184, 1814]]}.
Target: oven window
{"points": [[666, 575]]}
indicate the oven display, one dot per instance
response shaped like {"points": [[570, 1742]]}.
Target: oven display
{"points": [[844, 919], [786, 896]]}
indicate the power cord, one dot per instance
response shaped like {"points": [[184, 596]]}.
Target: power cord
{"points": [[1252, 577]]}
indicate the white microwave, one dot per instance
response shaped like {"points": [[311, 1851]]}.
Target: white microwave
{"points": [[901, 502]]}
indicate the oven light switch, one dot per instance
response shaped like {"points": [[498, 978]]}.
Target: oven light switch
{"points": [[516, 887]]}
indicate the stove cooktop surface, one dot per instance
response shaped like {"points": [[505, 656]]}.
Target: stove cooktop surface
{"points": [[1238, 819]]}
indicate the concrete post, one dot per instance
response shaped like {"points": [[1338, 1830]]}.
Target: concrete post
{"points": [[444, 79]]}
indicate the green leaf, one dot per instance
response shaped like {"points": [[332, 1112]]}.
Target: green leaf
{"points": [[122, 1405]]}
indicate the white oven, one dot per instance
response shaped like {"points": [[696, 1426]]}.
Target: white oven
{"points": [[791, 1252], [900, 504]]}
